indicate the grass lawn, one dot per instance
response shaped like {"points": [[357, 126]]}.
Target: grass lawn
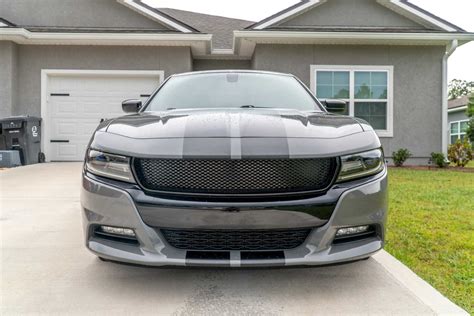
{"points": [[431, 229]]}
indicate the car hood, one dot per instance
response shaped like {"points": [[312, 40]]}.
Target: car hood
{"points": [[235, 134], [234, 123]]}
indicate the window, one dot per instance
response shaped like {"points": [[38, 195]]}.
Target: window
{"points": [[458, 130], [368, 91]]}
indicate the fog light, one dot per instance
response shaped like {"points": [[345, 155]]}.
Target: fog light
{"points": [[118, 231], [352, 230]]}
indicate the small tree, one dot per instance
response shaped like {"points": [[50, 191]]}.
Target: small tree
{"points": [[458, 88], [460, 152]]}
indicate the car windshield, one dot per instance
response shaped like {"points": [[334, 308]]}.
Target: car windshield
{"points": [[232, 90]]}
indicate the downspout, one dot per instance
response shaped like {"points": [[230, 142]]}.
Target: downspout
{"points": [[449, 51]]}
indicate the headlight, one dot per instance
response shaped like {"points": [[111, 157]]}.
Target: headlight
{"points": [[361, 165], [108, 165]]}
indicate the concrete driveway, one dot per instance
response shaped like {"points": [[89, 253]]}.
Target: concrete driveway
{"points": [[46, 269]]}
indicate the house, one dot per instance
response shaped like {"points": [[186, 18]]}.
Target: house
{"points": [[72, 62], [457, 118]]}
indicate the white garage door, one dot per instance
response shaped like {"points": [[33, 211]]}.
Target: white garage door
{"points": [[77, 103]]}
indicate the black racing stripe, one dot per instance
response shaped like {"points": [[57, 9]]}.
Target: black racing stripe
{"points": [[264, 123], [208, 124], [207, 135], [265, 148], [206, 148]]}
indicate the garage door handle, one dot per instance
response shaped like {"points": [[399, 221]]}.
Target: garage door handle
{"points": [[59, 141]]}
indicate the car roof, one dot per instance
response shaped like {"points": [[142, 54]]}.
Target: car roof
{"points": [[229, 71]]}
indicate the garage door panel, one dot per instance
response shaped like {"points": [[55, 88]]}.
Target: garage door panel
{"points": [[65, 128], [73, 118]]}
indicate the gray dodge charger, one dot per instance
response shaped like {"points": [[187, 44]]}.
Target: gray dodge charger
{"points": [[236, 169]]}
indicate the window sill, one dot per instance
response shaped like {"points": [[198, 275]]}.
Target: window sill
{"points": [[384, 134]]}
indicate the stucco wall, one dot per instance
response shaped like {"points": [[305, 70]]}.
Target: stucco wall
{"points": [[73, 13], [33, 58], [207, 64], [351, 13], [8, 77], [417, 84]]}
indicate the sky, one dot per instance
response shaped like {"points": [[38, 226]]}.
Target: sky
{"points": [[458, 12]]}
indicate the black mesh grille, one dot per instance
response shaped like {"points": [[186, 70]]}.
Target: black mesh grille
{"points": [[229, 176], [235, 239]]}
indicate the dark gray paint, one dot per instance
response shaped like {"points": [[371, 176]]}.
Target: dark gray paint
{"points": [[351, 13], [74, 13], [35, 58], [417, 82], [103, 204]]}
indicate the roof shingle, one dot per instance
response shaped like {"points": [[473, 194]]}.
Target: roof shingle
{"points": [[459, 102], [221, 27]]}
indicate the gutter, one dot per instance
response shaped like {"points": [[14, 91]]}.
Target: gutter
{"points": [[450, 49], [459, 109]]}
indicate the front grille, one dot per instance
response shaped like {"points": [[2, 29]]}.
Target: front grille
{"points": [[235, 176], [235, 239]]}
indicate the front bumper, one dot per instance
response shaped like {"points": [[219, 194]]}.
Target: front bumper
{"points": [[357, 203]]}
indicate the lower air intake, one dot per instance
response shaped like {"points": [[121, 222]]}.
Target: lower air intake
{"points": [[235, 239]]}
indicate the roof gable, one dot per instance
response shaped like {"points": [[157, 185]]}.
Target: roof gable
{"points": [[363, 13], [88, 14]]}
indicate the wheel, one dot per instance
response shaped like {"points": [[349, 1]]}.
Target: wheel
{"points": [[41, 157]]}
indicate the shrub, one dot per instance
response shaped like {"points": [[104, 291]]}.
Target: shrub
{"points": [[439, 159], [400, 156], [460, 152]]}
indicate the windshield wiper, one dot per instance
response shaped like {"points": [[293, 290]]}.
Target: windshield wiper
{"points": [[250, 106]]}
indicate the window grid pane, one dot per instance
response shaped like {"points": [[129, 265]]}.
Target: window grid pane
{"points": [[375, 113], [371, 85], [332, 84]]}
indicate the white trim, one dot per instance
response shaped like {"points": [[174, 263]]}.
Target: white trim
{"points": [[461, 108], [200, 43], [422, 16], [356, 35], [24, 35], [352, 69], [154, 15], [47, 73], [2, 24], [424, 292], [289, 14]]}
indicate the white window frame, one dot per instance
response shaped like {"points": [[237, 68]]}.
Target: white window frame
{"points": [[352, 69], [459, 134]]}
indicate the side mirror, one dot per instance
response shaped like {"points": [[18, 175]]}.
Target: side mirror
{"points": [[335, 106], [131, 106]]}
